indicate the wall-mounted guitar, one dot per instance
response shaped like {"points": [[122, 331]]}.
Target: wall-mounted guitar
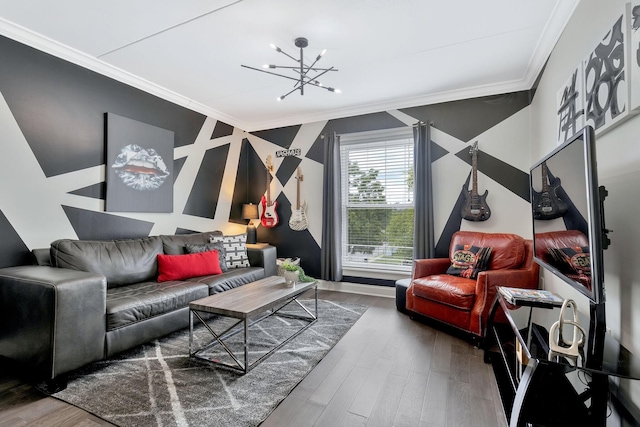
{"points": [[475, 206], [267, 208], [547, 204], [298, 221]]}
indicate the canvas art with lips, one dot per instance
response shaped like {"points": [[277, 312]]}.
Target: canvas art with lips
{"points": [[140, 168]]}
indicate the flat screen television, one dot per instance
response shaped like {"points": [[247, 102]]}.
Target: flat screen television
{"points": [[568, 223]]}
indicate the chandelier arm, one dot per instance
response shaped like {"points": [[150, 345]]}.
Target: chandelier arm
{"points": [[290, 92], [314, 78], [269, 72], [296, 68], [286, 54], [309, 68]]}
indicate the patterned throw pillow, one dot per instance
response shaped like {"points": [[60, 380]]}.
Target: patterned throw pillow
{"points": [[205, 247], [235, 249], [468, 261]]}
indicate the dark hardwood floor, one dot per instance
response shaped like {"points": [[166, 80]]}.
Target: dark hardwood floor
{"points": [[387, 371]]}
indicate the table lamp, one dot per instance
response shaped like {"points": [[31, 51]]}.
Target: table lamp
{"points": [[250, 212]]}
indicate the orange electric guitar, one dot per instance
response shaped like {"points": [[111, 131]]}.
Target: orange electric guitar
{"points": [[268, 214]]}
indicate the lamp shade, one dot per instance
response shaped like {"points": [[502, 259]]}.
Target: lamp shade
{"points": [[250, 211]]}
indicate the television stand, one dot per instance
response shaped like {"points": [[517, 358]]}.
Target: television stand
{"points": [[551, 393]]}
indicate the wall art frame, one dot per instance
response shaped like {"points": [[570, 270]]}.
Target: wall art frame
{"points": [[139, 166]]}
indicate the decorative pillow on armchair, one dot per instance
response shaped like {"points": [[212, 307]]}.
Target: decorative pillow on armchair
{"points": [[235, 250], [572, 260], [467, 261]]}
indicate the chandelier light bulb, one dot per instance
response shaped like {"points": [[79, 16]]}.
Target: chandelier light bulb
{"points": [[337, 91], [279, 98]]}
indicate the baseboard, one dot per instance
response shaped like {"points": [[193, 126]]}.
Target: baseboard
{"points": [[357, 288]]}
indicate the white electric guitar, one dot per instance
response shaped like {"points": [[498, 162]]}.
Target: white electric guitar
{"points": [[298, 221]]}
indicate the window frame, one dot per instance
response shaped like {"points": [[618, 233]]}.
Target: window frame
{"points": [[373, 139]]}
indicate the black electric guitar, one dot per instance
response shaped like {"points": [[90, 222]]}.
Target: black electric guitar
{"points": [[475, 206], [267, 207], [547, 204]]}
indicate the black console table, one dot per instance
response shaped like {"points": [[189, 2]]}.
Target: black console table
{"points": [[561, 392]]}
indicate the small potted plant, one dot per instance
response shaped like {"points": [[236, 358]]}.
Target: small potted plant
{"points": [[291, 273]]}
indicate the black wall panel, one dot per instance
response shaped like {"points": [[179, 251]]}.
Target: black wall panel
{"points": [[503, 173], [470, 117], [13, 251], [91, 225], [280, 136], [203, 198], [95, 191], [221, 129], [60, 108], [367, 122], [292, 243]]}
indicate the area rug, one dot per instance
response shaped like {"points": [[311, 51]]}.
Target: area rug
{"points": [[158, 384]]}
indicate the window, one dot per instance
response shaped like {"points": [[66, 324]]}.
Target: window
{"points": [[377, 199]]}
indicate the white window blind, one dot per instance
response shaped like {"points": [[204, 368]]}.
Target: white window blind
{"points": [[377, 199]]}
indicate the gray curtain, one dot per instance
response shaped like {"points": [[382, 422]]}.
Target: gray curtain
{"points": [[423, 234], [330, 252]]}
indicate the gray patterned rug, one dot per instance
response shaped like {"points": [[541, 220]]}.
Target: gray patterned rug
{"points": [[158, 384]]}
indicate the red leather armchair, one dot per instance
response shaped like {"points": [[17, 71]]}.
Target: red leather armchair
{"points": [[465, 303]]}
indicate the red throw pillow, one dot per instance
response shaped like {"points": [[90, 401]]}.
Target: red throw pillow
{"points": [[179, 267]]}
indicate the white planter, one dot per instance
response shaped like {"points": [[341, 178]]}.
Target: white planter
{"points": [[291, 277]]}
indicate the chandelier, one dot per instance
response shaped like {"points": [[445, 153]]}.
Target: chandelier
{"points": [[304, 74]]}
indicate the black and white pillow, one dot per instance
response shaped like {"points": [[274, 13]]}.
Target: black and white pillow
{"points": [[235, 250]]}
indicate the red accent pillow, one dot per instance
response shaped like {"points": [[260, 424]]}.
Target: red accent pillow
{"points": [[179, 267]]}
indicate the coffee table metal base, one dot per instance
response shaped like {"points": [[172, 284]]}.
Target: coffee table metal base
{"points": [[244, 366]]}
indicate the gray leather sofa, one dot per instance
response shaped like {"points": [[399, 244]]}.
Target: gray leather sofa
{"points": [[88, 300]]}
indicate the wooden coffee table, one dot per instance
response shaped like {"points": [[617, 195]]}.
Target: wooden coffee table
{"points": [[250, 304]]}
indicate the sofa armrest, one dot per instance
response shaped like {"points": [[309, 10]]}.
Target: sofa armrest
{"points": [[430, 266], [487, 287], [263, 255], [52, 320]]}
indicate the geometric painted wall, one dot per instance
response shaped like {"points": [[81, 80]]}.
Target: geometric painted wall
{"points": [[52, 157], [52, 161], [498, 123]]}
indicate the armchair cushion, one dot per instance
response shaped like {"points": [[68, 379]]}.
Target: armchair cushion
{"points": [[454, 291]]}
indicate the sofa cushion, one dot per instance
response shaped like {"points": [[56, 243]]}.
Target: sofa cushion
{"points": [[235, 249], [197, 248], [179, 267], [507, 250], [231, 279], [134, 303], [174, 244], [454, 291], [122, 262]]}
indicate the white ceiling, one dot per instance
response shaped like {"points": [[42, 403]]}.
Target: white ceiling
{"points": [[390, 53]]}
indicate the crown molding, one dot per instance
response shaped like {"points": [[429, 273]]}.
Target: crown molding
{"points": [[62, 51], [558, 19], [453, 95]]}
